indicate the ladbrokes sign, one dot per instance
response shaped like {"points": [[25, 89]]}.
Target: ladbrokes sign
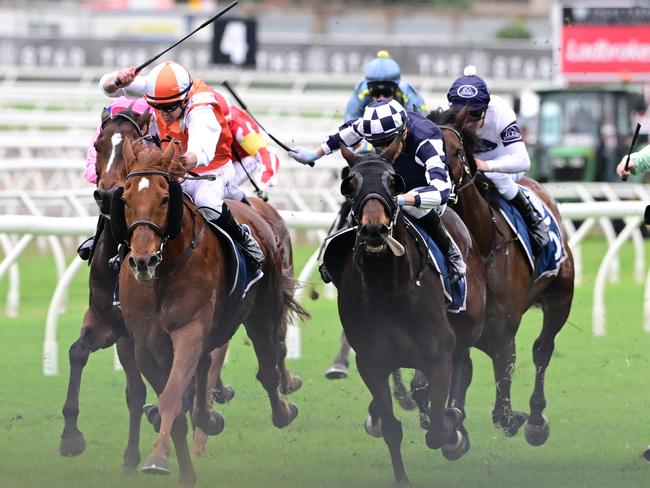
{"points": [[606, 43]]}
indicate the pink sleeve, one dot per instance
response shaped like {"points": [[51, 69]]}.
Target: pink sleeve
{"points": [[90, 172]]}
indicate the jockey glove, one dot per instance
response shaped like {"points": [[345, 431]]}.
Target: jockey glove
{"points": [[304, 156]]}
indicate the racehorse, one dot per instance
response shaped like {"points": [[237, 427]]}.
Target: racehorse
{"points": [[393, 308], [511, 286], [102, 323], [180, 316]]}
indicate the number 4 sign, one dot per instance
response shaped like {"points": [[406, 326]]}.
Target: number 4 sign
{"points": [[235, 42]]}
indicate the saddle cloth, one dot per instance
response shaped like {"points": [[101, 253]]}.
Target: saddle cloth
{"points": [[341, 244], [549, 261]]}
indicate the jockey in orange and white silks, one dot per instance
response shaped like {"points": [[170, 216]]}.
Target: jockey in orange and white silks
{"points": [[250, 150], [187, 110], [501, 153]]}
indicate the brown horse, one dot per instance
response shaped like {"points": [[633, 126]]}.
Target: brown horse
{"points": [[394, 311], [177, 318], [510, 283], [102, 323]]}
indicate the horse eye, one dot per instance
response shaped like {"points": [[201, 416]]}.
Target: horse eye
{"points": [[164, 201]]}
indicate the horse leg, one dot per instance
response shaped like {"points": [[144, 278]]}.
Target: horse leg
{"points": [[503, 361], [339, 368], [403, 397], [187, 477], [420, 394], [443, 422], [556, 310], [382, 416], [268, 373], [203, 417], [289, 382], [95, 334], [136, 395], [461, 377], [220, 393], [187, 343]]}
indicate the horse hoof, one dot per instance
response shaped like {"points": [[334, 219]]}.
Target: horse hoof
{"points": [[511, 427], [403, 483], [73, 445], [224, 395], [336, 371], [153, 415], [291, 413], [214, 425], [424, 421], [536, 435], [129, 470], [156, 465], [453, 452], [646, 454], [406, 401], [293, 385], [373, 430]]}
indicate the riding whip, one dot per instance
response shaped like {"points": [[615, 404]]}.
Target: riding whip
{"points": [[243, 105], [207, 22], [634, 138]]}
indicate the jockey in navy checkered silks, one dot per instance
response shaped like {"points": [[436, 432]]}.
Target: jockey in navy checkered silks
{"points": [[501, 153], [421, 161]]}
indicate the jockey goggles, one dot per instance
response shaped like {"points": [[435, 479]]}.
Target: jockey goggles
{"points": [[166, 107], [382, 90]]}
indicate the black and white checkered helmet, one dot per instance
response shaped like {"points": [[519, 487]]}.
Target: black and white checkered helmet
{"points": [[382, 120]]}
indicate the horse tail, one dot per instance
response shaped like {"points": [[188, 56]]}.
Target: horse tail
{"points": [[291, 306]]}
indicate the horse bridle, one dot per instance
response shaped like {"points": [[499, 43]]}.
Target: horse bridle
{"points": [[466, 176]]}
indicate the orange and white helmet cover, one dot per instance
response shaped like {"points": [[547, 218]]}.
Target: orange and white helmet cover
{"points": [[167, 83]]}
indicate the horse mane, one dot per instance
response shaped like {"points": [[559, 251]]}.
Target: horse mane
{"points": [[470, 140]]}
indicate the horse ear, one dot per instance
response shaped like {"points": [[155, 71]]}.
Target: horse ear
{"points": [[106, 114], [143, 121], [461, 117], [128, 154], [349, 156], [391, 152], [169, 153]]}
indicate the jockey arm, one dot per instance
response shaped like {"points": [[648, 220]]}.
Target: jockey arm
{"points": [[639, 163], [122, 83], [430, 154], [203, 130], [411, 99], [358, 101], [515, 159]]}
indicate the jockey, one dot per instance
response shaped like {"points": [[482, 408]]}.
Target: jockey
{"points": [[639, 164], [501, 149], [186, 110], [382, 80], [250, 151], [117, 105], [421, 161]]}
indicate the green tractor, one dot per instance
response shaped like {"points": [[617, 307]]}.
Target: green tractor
{"points": [[583, 131]]}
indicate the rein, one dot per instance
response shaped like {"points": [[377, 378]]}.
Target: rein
{"points": [[121, 115]]}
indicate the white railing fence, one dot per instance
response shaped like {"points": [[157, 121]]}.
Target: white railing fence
{"points": [[29, 226]]}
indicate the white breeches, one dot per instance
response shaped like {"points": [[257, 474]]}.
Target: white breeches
{"points": [[208, 193], [505, 183]]}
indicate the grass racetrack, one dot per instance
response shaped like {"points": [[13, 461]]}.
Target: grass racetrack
{"points": [[596, 390]]}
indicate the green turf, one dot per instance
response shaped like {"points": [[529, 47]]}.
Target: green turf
{"points": [[596, 390]]}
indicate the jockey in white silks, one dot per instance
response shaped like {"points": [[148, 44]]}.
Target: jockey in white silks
{"points": [[501, 153]]}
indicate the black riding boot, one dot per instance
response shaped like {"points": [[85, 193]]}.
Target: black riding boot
{"points": [[537, 228], [228, 223], [85, 248], [433, 225]]}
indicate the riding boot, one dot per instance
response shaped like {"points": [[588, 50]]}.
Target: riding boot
{"points": [[244, 199], [537, 228], [433, 225], [85, 248], [241, 235], [115, 262]]}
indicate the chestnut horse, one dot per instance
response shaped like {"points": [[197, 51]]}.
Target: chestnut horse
{"points": [[394, 312], [511, 286], [102, 323], [174, 294]]}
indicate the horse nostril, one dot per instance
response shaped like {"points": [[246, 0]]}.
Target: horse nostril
{"points": [[153, 261], [132, 264], [383, 230]]}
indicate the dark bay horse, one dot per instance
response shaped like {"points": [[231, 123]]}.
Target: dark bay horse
{"points": [[511, 286], [394, 311], [174, 293], [102, 323]]}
